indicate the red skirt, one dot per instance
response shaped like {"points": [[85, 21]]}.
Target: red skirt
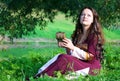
{"points": [[65, 63]]}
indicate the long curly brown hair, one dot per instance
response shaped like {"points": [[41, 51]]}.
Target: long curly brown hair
{"points": [[94, 28]]}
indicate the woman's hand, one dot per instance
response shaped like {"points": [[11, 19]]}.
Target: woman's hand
{"points": [[67, 43]]}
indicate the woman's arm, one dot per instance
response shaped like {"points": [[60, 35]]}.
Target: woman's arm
{"points": [[81, 54], [75, 51]]}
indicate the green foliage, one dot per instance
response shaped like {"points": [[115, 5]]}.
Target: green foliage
{"points": [[16, 68], [111, 57], [19, 17], [25, 66]]}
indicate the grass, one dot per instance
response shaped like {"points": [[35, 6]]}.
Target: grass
{"points": [[17, 67], [60, 24], [112, 34]]}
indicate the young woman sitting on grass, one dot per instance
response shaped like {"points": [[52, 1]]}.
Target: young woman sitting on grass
{"points": [[84, 52]]}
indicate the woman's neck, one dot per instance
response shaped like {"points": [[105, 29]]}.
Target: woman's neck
{"points": [[85, 29]]}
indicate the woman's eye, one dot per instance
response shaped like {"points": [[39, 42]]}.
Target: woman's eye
{"points": [[82, 14], [89, 15]]}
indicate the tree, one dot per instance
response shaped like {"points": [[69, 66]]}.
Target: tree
{"points": [[19, 17]]}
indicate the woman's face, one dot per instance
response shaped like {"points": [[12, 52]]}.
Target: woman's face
{"points": [[86, 17]]}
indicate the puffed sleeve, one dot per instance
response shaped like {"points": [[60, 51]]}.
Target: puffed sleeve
{"points": [[79, 53]]}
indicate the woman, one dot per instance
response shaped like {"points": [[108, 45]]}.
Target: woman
{"points": [[84, 52]]}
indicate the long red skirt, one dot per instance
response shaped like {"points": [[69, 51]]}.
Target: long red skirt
{"points": [[66, 63]]}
